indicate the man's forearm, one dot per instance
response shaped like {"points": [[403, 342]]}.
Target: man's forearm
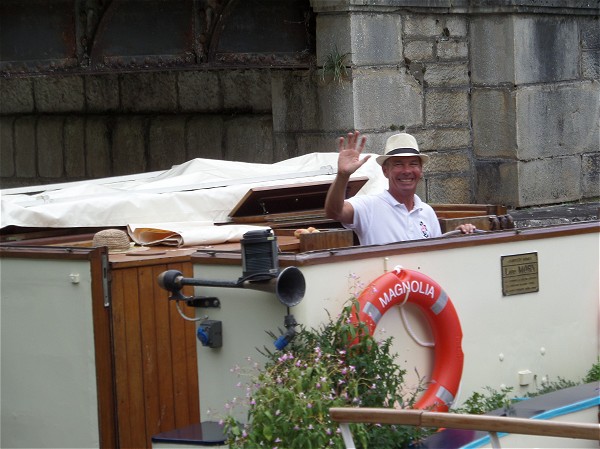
{"points": [[334, 202]]}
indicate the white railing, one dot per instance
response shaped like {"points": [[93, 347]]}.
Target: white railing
{"points": [[492, 424]]}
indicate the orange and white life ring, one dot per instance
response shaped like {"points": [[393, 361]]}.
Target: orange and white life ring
{"points": [[400, 286]]}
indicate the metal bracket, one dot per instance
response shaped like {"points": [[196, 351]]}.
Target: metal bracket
{"points": [[105, 280], [203, 301]]}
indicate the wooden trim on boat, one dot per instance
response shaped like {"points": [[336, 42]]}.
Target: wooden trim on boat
{"points": [[105, 370], [586, 431], [117, 261], [47, 252], [150, 258], [214, 256], [460, 241]]}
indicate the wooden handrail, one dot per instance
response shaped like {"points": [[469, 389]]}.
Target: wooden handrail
{"points": [[486, 423]]}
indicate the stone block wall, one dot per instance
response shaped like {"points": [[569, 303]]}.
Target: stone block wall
{"points": [[67, 128], [535, 108], [409, 72], [504, 96]]}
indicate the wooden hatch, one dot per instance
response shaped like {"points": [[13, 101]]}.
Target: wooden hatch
{"points": [[288, 205]]}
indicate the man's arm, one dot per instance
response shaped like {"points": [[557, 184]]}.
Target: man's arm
{"points": [[336, 207], [348, 162]]}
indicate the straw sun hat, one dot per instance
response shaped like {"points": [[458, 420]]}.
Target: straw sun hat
{"points": [[401, 144], [116, 240]]}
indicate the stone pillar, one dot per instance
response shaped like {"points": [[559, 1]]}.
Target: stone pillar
{"points": [[379, 96], [407, 71], [535, 108]]}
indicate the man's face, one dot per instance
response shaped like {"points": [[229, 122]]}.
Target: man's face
{"points": [[403, 173]]}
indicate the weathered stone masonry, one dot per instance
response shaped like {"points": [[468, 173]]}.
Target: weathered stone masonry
{"points": [[504, 95], [89, 126], [505, 99]]}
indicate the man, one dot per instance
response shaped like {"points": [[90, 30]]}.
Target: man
{"points": [[394, 215]]}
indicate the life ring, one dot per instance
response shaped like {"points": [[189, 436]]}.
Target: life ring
{"points": [[399, 286]]}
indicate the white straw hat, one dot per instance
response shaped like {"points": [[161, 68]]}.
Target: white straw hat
{"points": [[402, 144]]}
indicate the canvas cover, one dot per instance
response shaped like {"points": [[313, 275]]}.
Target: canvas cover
{"points": [[202, 191]]}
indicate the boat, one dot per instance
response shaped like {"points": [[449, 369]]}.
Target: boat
{"points": [[91, 332]]}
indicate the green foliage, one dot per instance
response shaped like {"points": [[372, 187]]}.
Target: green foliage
{"points": [[553, 385], [593, 374], [491, 399], [480, 403], [339, 364], [335, 66]]}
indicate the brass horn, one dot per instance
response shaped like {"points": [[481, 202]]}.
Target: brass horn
{"points": [[289, 285]]}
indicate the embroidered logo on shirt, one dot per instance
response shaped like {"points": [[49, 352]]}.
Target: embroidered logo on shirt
{"points": [[424, 230]]}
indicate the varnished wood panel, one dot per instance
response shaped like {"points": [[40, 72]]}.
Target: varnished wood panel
{"points": [[155, 356], [103, 349]]}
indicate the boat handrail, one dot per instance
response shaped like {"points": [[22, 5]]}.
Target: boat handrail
{"points": [[492, 424]]}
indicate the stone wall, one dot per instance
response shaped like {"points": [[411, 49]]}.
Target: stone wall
{"points": [[68, 128], [505, 99], [503, 95], [406, 74], [536, 107]]}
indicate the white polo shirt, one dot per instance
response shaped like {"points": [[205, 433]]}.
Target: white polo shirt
{"points": [[380, 219]]}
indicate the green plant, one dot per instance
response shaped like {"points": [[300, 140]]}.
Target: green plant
{"points": [[480, 403], [553, 385], [593, 374], [335, 66], [338, 364], [491, 399]]}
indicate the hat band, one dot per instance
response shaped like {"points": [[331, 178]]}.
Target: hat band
{"points": [[403, 150]]}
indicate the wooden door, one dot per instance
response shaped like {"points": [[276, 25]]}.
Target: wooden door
{"points": [[154, 351]]}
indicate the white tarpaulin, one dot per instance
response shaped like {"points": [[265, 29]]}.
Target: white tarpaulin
{"points": [[200, 190], [188, 233]]}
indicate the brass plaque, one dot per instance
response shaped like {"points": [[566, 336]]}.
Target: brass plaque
{"points": [[520, 274]]}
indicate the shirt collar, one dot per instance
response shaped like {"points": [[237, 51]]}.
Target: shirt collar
{"points": [[388, 198]]}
